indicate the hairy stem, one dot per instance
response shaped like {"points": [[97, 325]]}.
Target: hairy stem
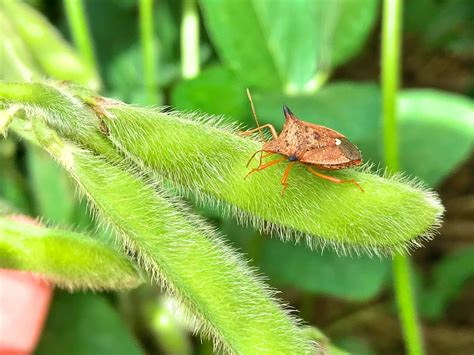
{"points": [[391, 27]]}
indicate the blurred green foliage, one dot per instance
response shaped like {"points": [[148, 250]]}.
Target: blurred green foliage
{"points": [[85, 324], [284, 52]]}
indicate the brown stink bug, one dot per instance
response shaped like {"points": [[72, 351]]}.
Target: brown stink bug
{"points": [[308, 144]]}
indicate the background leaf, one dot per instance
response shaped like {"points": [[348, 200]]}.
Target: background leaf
{"points": [[447, 281], [437, 133], [85, 324], [350, 278], [52, 189], [274, 55], [217, 90]]}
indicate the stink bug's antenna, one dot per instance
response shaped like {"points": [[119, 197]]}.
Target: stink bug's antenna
{"points": [[255, 114]]}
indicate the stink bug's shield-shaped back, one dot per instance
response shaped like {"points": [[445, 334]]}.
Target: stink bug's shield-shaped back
{"points": [[309, 144]]}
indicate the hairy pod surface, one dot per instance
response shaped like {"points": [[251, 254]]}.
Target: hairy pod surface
{"points": [[70, 260], [221, 294], [208, 160]]}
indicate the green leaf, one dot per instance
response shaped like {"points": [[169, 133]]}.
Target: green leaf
{"points": [[17, 61], [12, 184], [447, 281], [437, 132], [353, 279], [52, 189], [121, 60], [267, 42], [70, 260], [54, 55], [85, 324], [216, 90]]}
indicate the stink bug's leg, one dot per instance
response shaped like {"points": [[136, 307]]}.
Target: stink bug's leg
{"points": [[333, 179], [264, 166], [285, 177], [253, 156], [261, 156], [264, 156], [260, 128]]}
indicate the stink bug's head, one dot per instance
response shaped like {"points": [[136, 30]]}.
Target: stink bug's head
{"points": [[288, 114]]}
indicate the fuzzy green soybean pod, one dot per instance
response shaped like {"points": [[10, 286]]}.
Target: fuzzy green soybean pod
{"points": [[70, 260], [207, 160], [219, 293], [55, 56]]}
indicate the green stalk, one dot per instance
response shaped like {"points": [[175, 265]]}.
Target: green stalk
{"points": [[391, 32], [148, 51], [80, 31], [190, 39]]}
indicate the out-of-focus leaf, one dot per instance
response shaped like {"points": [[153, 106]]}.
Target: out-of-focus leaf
{"points": [[351, 278], [125, 75], [449, 277], [85, 324], [435, 128], [442, 24], [115, 33], [12, 184], [54, 55], [355, 346], [436, 131], [216, 91], [16, 60], [267, 42], [52, 191]]}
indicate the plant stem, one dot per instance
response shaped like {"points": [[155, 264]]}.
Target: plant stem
{"points": [[190, 40], [148, 50], [406, 305], [391, 28], [79, 31], [391, 31]]}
